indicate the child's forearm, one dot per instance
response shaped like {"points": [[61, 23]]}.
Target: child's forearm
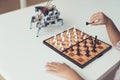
{"points": [[113, 32], [75, 76]]}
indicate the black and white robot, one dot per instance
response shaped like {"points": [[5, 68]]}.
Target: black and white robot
{"points": [[46, 15]]}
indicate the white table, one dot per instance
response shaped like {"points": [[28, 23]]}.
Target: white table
{"points": [[23, 56]]}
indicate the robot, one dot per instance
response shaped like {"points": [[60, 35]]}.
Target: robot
{"points": [[46, 15]]}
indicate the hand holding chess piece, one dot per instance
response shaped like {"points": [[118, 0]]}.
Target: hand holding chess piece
{"points": [[98, 19], [101, 19]]}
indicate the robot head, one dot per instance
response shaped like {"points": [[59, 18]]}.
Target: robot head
{"points": [[50, 13], [56, 12]]}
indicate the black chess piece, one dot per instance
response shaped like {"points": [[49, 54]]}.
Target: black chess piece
{"points": [[98, 42], [71, 49], [87, 23], [85, 42], [78, 50], [94, 47], [87, 52], [95, 41], [66, 50]]}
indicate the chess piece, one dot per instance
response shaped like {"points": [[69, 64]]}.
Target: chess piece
{"points": [[78, 51], [95, 42], [87, 23], [56, 43], [61, 35], [61, 46], [76, 38], [54, 38], [71, 49], [94, 47], [68, 31], [85, 36], [85, 42], [87, 52], [63, 39], [81, 33], [69, 43]]}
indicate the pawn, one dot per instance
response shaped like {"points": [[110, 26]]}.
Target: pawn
{"points": [[54, 38], [71, 49], [74, 30], [85, 43], [63, 39], [61, 35], [69, 44], [94, 48], [81, 33], [98, 42], [87, 52], [56, 43], [78, 51], [85, 36], [62, 48], [68, 31], [76, 39]]}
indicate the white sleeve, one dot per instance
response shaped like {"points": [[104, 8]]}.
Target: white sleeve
{"points": [[118, 45], [117, 75]]}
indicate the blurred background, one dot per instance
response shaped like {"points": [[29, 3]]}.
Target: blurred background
{"points": [[11, 5]]}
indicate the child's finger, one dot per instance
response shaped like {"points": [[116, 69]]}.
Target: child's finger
{"points": [[95, 22]]}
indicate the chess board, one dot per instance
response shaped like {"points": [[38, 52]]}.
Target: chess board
{"points": [[77, 46]]}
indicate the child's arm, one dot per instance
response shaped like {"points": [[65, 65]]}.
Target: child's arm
{"points": [[101, 19], [113, 32]]}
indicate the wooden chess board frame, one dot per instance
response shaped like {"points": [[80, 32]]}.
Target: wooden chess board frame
{"points": [[72, 60]]}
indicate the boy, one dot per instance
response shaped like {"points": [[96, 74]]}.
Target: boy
{"points": [[63, 70]]}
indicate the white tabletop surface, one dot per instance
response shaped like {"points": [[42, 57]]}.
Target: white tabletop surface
{"points": [[23, 56]]}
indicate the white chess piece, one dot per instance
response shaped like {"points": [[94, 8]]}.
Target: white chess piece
{"points": [[84, 37], [75, 33], [68, 31], [56, 43], [63, 39], [81, 33], [69, 35], [76, 38], [69, 39], [74, 29], [61, 35], [69, 44], [54, 38], [61, 46]]}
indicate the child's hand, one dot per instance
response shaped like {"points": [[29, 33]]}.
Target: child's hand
{"points": [[62, 70], [99, 19], [59, 69]]}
